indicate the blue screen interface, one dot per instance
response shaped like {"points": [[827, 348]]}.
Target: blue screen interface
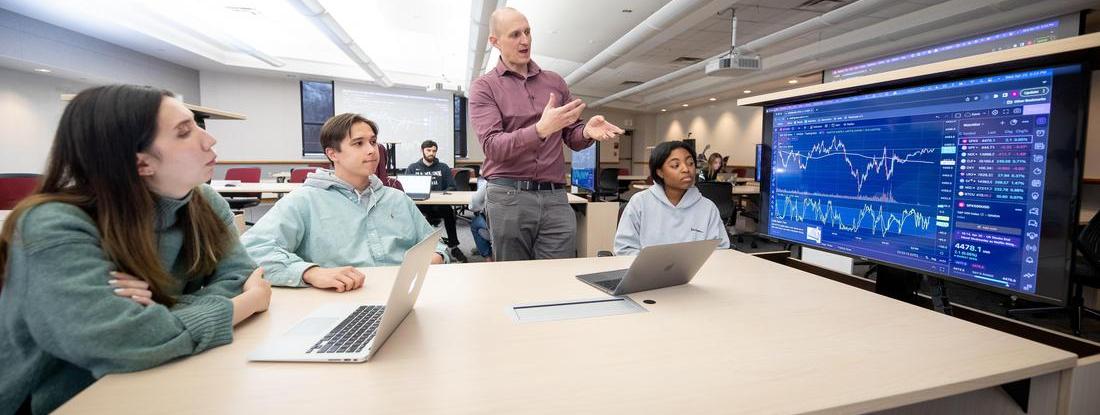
{"points": [[583, 171], [947, 178]]}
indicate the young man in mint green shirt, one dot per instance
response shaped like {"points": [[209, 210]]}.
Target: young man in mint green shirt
{"points": [[340, 219]]}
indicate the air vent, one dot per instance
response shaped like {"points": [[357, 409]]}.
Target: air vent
{"points": [[686, 59], [822, 6], [630, 83]]}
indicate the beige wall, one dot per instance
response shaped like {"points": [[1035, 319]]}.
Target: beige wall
{"points": [[727, 128]]}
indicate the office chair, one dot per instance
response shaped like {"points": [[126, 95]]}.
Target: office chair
{"points": [[15, 187], [462, 179], [243, 201], [462, 184], [299, 175], [609, 184], [721, 193], [1085, 271]]}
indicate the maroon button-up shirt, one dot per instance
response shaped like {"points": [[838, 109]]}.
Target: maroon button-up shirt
{"points": [[504, 107]]}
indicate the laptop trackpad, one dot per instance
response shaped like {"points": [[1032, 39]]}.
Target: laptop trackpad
{"points": [[313, 326]]}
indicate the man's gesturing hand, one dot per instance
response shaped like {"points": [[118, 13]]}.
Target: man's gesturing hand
{"points": [[597, 128], [554, 118]]}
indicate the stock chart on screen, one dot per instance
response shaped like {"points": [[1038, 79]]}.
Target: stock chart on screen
{"points": [[945, 177]]}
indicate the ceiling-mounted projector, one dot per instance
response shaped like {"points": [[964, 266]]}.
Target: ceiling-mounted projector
{"points": [[734, 63], [444, 86]]}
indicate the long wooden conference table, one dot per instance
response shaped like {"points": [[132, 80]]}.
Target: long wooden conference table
{"points": [[746, 336]]}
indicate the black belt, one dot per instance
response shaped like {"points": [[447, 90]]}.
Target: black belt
{"points": [[526, 184]]}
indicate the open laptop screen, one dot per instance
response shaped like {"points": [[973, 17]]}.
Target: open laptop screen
{"points": [[416, 184]]}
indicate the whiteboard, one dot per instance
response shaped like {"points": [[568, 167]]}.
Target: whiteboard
{"points": [[404, 116]]}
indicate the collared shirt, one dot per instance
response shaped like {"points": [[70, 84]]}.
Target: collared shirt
{"points": [[504, 107]]}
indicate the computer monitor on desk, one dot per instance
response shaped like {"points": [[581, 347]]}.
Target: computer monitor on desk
{"points": [[585, 167]]}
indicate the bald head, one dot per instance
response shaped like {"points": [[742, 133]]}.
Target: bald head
{"points": [[510, 33], [500, 16]]}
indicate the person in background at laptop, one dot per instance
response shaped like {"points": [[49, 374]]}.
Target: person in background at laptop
{"points": [[123, 260], [339, 219], [715, 164], [672, 210], [442, 180]]}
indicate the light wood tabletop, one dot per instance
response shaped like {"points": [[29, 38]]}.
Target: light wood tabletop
{"points": [[746, 336], [632, 178], [262, 187], [3, 215]]}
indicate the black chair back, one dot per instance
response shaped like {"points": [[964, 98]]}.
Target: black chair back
{"points": [[609, 181], [462, 180], [721, 193], [1088, 244]]}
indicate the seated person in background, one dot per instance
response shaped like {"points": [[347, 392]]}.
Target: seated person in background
{"points": [[123, 260], [339, 219], [442, 180], [672, 210], [715, 164], [479, 225]]}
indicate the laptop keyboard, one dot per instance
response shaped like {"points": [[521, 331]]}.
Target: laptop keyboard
{"points": [[352, 334], [609, 284]]}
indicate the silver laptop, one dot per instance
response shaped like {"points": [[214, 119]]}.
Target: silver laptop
{"points": [[657, 266], [353, 332], [417, 187]]}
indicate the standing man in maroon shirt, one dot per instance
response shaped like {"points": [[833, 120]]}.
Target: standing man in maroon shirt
{"points": [[522, 115]]}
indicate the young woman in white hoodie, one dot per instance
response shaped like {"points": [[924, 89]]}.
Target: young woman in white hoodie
{"points": [[672, 210]]}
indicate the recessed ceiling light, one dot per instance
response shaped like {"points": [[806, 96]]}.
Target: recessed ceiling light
{"points": [[793, 81], [713, 99], [663, 110], [683, 105], [43, 70], [747, 91]]}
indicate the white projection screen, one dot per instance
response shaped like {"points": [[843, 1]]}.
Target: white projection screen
{"points": [[404, 116]]}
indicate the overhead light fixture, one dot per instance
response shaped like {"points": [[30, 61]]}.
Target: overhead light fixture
{"points": [[331, 28], [793, 81], [747, 91], [712, 99], [683, 105], [43, 70], [663, 110]]}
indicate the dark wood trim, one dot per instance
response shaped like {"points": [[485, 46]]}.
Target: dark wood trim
{"points": [[1091, 180], [775, 256]]}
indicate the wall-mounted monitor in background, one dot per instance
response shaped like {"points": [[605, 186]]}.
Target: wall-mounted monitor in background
{"points": [[968, 177], [460, 103], [763, 160], [1008, 38], [318, 105], [585, 168]]}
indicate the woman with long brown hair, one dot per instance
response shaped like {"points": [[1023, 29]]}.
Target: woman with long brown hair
{"points": [[122, 260]]}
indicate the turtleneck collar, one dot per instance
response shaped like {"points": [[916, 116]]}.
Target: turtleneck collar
{"points": [[167, 210]]}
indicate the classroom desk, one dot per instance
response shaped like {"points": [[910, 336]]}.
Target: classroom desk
{"points": [[746, 336], [629, 178], [281, 177], [459, 198], [262, 187], [1086, 216], [595, 220], [737, 190]]}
